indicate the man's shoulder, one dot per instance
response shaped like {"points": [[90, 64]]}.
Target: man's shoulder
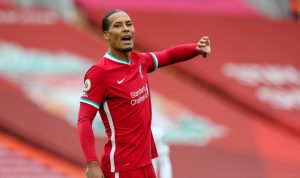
{"points": [[139, 55], [98, 68]]}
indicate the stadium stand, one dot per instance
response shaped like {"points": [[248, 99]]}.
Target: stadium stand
{"points": [[214, 118], [19, 159]]}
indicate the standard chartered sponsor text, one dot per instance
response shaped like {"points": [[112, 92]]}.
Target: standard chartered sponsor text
{"points": [[138, 93]]}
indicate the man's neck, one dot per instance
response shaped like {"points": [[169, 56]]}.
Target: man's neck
{"points": [[120, 54]]}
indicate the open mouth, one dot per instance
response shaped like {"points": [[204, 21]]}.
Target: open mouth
{"points": [[126, 38]]}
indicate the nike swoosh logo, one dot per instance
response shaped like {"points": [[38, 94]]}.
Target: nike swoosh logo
{"points": [[120, 81]]}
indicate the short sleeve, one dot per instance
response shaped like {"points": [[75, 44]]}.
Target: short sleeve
{"points": [[94, 90]]}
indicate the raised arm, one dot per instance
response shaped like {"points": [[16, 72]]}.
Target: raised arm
{"points": [[182, 52]]}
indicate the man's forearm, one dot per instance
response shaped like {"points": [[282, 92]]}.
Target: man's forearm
{"points": [[176, 54], [85, 131]]}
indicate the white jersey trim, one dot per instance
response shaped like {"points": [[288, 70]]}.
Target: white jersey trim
{"points": [[117, 175], [155, 61], [92, 103], [113, 137], [116, 59]]}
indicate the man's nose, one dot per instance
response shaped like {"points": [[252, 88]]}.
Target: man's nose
{"points": [[125, 28]]}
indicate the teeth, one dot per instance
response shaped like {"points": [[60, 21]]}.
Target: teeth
{"points": [[126, 37]]}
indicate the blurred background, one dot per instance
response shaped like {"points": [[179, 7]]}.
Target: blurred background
{"points": [[233, 115]]}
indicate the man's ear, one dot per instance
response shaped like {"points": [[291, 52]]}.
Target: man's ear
{"points": [[106, 35]]}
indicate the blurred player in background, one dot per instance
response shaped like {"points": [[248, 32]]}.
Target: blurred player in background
{"points": [[162, 164], [295, 9], [117, 87]]}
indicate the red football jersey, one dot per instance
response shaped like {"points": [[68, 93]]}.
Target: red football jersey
{"points": [[119, 90]]}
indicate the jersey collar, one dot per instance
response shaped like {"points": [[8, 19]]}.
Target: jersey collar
{"points": [[110, 56]]}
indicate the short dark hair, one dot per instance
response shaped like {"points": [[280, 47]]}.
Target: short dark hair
{"points": [[105, 22]]}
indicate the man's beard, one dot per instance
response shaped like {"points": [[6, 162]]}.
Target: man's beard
{"points": [[127, 49]]}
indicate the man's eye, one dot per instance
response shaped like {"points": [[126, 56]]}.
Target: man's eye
{"points": [[117, 25]]}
